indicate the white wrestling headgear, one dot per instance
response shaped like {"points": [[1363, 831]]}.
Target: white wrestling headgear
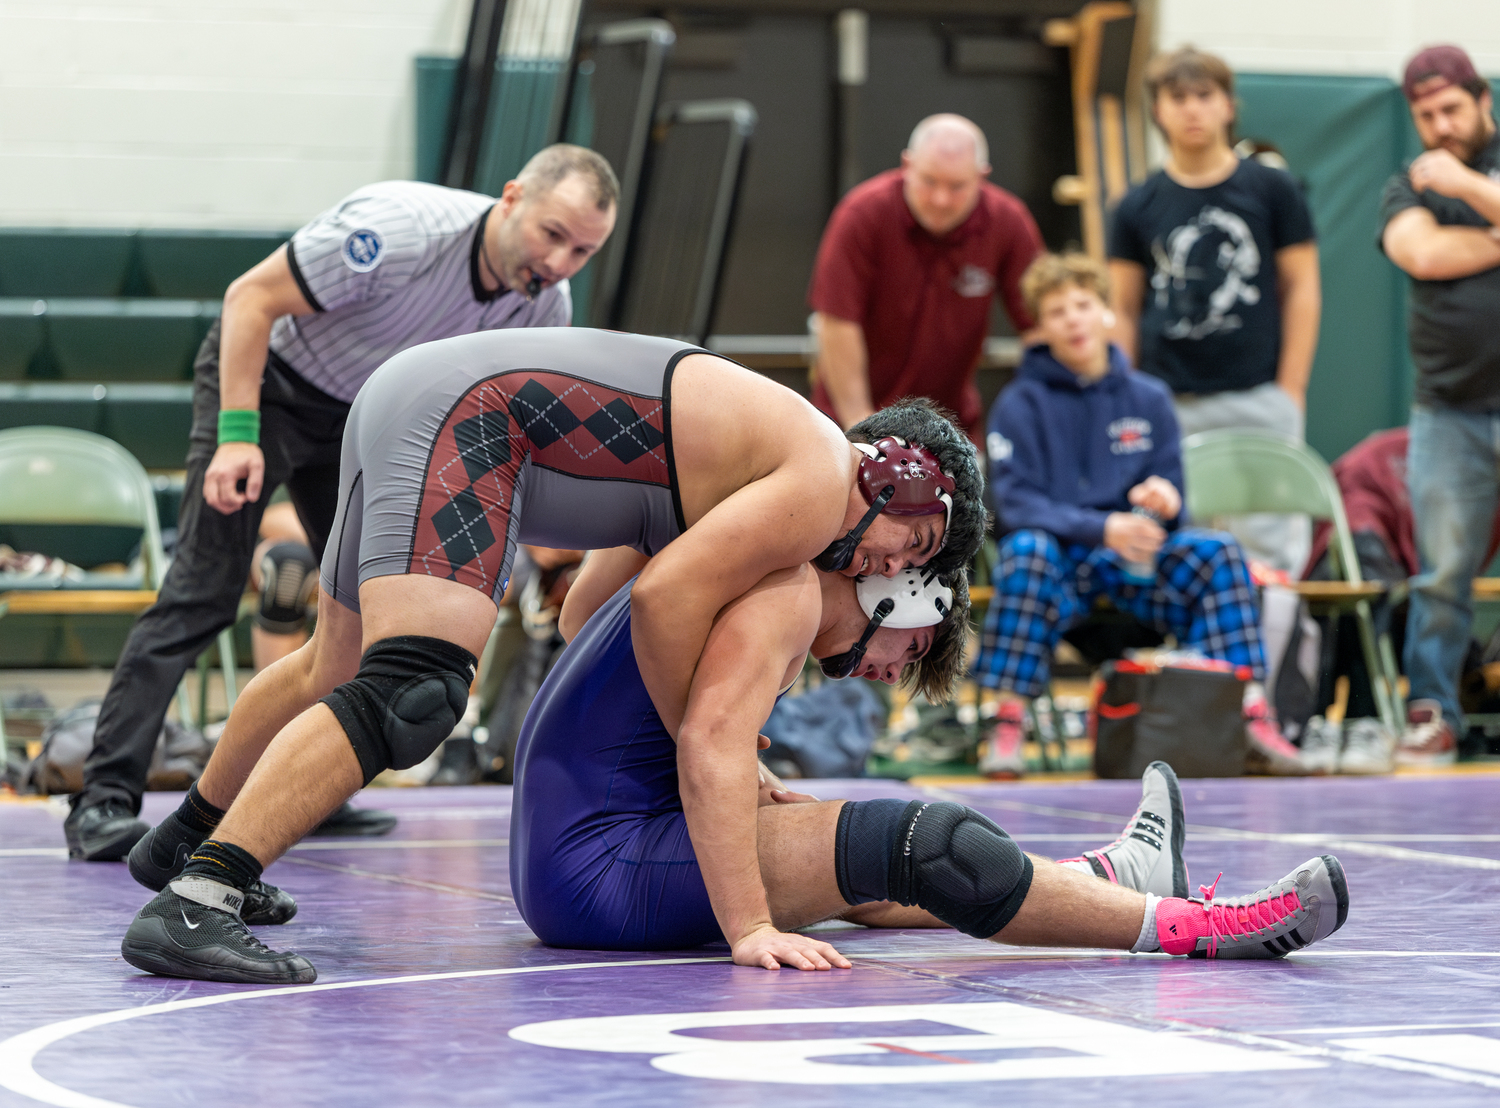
{"points": [[921, 599], [912, 598]]}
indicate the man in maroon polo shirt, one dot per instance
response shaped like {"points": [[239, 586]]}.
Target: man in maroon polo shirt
{"points": [[905, 273]]}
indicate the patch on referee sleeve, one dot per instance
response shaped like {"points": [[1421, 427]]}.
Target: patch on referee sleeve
{"points": [[362, 250]]}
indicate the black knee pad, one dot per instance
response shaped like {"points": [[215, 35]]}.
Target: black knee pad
{"points": [[943, 857], [288, 576], [409, 694]]}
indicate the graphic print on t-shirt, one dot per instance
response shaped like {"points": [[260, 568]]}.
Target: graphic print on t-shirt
{"points": [[1204, 270]]}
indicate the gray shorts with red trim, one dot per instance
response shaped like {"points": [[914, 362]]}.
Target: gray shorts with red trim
{"points": [[456, 450]]}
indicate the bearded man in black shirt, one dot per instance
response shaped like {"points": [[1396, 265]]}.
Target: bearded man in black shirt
{"points": [[1440, 217]]}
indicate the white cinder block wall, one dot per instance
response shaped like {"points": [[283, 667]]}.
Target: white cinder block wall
{"points": [[206, 113], [258, 113], [1366, 37]]}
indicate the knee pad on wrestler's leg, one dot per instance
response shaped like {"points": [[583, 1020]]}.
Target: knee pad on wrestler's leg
{"points": [[288, 576], [943, 857], [409, 694]]}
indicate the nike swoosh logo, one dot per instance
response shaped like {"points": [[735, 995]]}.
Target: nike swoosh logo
{"points": [[191, 926]]}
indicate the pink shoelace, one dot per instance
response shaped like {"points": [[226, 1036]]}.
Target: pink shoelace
{"points": [[1229, 921]]}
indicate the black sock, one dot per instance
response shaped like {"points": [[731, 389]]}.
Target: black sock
{"points": [[198, 813], [225, 863]]}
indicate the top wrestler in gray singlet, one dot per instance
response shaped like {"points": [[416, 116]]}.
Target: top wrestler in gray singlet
{"points": [[456, 450]]}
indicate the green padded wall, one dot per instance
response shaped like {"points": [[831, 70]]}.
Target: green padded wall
{"points": [[151, 421], [436, 77], [124, 340], [21, 336], [523, 99], [198, 265], [65, 262], [1344, 136]]}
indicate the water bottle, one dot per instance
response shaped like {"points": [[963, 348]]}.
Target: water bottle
{"points": [[1143, 573]]}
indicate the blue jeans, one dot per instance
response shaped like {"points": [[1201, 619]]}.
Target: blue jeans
{"points": [[1451, 471]]}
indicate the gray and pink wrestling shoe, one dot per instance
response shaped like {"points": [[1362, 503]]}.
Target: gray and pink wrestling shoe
{"points": [[1147, 857], [1306, 905]]}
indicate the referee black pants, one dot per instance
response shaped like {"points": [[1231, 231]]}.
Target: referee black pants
{"points": [[301, 432]]}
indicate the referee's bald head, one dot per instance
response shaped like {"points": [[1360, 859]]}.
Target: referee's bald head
{"points": [[549, 167]]}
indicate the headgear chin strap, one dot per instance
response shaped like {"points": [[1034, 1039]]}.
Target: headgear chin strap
{"points": [[913, 598], [896, 478]]}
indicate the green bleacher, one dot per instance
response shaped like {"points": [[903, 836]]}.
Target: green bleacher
{"points": [[99, 327]]}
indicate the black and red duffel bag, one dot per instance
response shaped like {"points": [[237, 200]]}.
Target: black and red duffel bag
{"points": [[1189, 714]]}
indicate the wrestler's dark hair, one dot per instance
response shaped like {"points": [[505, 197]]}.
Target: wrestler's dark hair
{"points": [[936, 674], [921, 422]]}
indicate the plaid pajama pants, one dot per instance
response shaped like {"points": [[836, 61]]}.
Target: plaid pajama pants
{"points": [[1202, 595]]}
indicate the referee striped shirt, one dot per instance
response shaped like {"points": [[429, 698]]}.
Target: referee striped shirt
{"points": [[390, 266]]}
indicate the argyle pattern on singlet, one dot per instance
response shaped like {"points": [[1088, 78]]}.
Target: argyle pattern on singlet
{"points": [[574, 426]]}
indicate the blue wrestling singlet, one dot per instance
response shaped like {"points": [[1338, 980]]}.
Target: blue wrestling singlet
{"points": [[600, 857]]}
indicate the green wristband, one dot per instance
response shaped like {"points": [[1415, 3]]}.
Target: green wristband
{"points": [[239, 425]]}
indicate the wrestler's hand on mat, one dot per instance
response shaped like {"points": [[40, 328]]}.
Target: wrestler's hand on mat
{"points": [[232, 463], [771, 949], [773, 790]]}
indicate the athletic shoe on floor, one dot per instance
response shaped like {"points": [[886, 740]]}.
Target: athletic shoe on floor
{"points": [[1002, 753], [1427, 740], [164, 851], [1369, 748], [347, 821], [1147, 857], [1321, 741], [458, 763], [1266, 749], [1306, 905], [102, 832], [181, 936]]}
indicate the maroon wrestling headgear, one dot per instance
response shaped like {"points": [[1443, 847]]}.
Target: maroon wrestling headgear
{"points": [[899, 479], [1437, 67]]}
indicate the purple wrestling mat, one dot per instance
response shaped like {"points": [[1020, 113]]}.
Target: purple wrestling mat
{"points": [[433, 992]]}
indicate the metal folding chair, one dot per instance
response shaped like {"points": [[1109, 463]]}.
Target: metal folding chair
{"points": [[1236, 472]]}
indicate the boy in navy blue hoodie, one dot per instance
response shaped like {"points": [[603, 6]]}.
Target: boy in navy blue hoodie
{"points": [[1087, 481]]}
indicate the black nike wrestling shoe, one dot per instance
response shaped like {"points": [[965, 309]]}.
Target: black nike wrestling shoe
{"points": [[163, 852], [193, 929]]}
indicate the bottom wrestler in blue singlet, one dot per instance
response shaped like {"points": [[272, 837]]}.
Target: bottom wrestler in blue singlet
{"points": [[600, 857]]}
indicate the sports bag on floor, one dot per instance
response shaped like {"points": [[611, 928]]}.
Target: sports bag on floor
{"points": [[1189, 716]]}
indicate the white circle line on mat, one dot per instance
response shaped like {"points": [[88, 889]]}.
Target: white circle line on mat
{"points": [[18, 1053]]}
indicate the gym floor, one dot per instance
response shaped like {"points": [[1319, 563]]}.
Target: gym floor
{"points": [[432, 990]]}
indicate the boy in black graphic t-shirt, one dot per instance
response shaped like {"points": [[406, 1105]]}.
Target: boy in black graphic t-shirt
{"points": [[1215, 271]]}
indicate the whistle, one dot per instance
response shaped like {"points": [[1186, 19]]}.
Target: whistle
{"points": [[533, 287]]}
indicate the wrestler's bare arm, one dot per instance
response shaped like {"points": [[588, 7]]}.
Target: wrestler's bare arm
{"points": [[765, 483], [603, 574], [753, 646]]}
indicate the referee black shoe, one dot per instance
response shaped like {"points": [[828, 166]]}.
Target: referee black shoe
{"points": [[182, 936], [102, 832], [162, 853]]}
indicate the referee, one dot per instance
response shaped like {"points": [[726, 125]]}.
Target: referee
{"points": [[388, 267]]}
